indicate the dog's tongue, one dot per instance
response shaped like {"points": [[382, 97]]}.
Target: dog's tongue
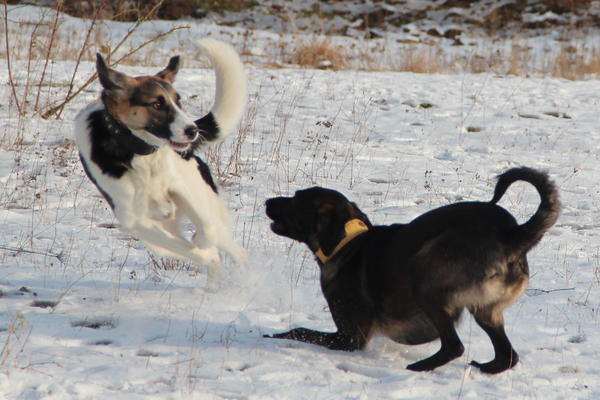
{"points": [[178, 146]]}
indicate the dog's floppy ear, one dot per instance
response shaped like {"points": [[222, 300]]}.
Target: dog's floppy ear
{"points": [[111, 80], [168, 74], [355, 212], [330, 228]]}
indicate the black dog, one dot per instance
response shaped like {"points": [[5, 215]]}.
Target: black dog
{"points": [[411, 282]]}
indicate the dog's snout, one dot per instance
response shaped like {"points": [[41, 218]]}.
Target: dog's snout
{"points": [[274, 207], [191, 131], [269, 208]]}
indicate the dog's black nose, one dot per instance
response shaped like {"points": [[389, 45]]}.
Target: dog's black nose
{"points": [[191, 131], [269, 208], [276, 207]]}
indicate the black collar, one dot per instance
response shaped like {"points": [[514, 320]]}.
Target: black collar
{"points": [[125, 137]]}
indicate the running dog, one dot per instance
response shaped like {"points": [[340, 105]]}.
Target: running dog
{"points": [[140, 149], [412, 281]]}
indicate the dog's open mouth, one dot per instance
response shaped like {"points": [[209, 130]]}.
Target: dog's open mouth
{"points": [[179, 146], [278, 228], [274, 226]]}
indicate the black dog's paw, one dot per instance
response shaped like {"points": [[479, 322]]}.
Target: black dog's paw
{"points": [[492, 367], [282, 335], [443, 356], [498, 364], [488, 368], [421, 366]]}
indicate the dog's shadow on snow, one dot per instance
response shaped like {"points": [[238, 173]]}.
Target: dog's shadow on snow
{"points": [[93, 313]]}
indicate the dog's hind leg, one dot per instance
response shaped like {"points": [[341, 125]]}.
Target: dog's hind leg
{"points": [[451, 346], [490, 319]]}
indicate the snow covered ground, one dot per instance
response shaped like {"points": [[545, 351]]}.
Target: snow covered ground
{"points": [[86, 314]]}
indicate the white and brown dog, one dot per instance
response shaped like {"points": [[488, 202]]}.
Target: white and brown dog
{"points": [[139, 148]]}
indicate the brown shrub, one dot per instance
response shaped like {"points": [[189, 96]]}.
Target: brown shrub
{"points": [[421, 59], [570, 63], [319, 53]]}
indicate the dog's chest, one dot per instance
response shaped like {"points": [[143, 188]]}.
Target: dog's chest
{"points": [[155, 179]]}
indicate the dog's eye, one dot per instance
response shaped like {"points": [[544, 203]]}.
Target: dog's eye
{"points": [[158, 104]]}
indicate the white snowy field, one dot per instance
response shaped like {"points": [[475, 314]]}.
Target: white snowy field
{"points": [[86, 314]]}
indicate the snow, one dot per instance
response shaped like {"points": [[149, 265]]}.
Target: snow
{"points": [[86, 314]]}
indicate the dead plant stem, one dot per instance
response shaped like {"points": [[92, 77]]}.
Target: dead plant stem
{"points": [[9, 66], [52, 36], [80, 55]]}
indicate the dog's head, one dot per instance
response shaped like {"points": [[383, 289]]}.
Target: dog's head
{"points": [[148, 105], [314, 216]]}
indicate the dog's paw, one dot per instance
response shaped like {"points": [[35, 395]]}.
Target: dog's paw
{"points": [[294, 334], [281, 335], [239, 255], [209, 257], [421, 366], [443, 356], [205, 237], [495, 366]]}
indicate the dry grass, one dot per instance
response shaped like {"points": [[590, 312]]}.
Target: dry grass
{"points": [[319, 53], [571, 63], [568, 61], [168, 264], [575, 60], [422, 59]]}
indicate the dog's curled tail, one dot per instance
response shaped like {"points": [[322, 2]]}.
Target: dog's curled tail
{"points": [[230, 91], [530, 233]]}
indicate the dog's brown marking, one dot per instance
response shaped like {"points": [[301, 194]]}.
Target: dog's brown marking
{"points": [[149, 100], [139, 102]]}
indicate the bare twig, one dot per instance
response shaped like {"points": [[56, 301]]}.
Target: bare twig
{"points": [[537, 292], [80, 55], [59, 256], [8, 64], [147, 42], [17, 323], [135, 27], [29, 61], [48, 52]]}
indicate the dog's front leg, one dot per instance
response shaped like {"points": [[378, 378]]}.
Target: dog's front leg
{"points": [[155, 235], [212, 226], [352, 317], [331, 340]]}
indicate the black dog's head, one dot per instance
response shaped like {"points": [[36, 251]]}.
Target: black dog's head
{"points": [[314, 216]]}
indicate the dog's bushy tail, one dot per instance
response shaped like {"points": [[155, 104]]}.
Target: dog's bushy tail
{"points": [[230, 92], [529, 234]]}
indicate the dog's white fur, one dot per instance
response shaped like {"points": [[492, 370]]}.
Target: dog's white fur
{"points": [[161, 189]]}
